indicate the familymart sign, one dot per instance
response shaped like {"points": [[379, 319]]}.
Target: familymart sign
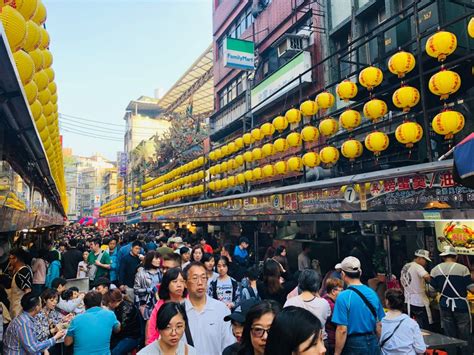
{"points": [[239, 54]]}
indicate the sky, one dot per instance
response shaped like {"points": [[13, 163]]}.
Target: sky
{"points": [[109, 52]]}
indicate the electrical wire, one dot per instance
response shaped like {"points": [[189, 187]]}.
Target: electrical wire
{"points": [[88, 134], [63, 115], [92, 128]]}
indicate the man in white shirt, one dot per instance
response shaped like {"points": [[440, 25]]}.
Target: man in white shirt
{"points": [[209, 333], [413, 279]]}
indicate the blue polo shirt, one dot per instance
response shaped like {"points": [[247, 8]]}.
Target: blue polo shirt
{"points": [[352, 312], [92, 331]]}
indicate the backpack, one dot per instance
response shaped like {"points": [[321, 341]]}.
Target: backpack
{"points": [[252, 293], [235, 286]]}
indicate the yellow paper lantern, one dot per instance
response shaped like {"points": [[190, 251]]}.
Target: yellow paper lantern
{"points": [[346, 90], [212, 155], [280, 145], [294, 164], [448, 123], [441, 44], [224, 184], [376, 142], [25, 66], [268, 170], [470, 27], [224, 167], [309, 108], [31, 91], [328, 127], [444, 83], [268, 150], [248, 175], [217, 169], [309, 134], [54, 98], [256, 154], [231, 164], [256, 134], [239, 143], [350, 119], [257, 173], [47, 58], [218, 153], [27, 8], [401, 63], [38, 59], [231, 148], [293, 115], [36, 109], [40, 16], [44, 44], [231, 181], [406, 98], [280, 167], [409, 133], [248, 139], [44, 96], [219, 185], [293, 139], [41, 80], [212, 185], [329, 155], [212, 170], [280, 123], [311, 159], [50, 72], [44, 134], [370, 77], [224, 151], [267, 129], [33, 36], [240, 178], [325, 100], [41, 123], [14, 25], [375, 109], [248, 157], [352, 149], [239, 160]]}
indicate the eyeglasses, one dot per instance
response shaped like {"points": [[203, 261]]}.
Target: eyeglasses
{"points": [[178, 329], [196, 279], [258, 332]]}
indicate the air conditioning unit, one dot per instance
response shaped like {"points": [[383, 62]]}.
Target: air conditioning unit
{"points": [[290, 45]]}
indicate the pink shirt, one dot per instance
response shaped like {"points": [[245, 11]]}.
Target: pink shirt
{"points": [[39, 271], [152, 333]]}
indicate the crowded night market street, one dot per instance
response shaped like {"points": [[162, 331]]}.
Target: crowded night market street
{"points": [[236, 177]]}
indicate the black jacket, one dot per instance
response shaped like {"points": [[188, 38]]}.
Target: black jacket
{"points": [[70, 259], [128, 269], [127, 315]]}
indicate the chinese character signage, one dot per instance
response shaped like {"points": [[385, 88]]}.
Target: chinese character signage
{"points": [[459, 234], [122, 163]]}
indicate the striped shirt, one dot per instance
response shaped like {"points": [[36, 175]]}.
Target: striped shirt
{"points": [[20, 339]]}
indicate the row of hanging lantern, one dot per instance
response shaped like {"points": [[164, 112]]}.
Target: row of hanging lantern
{"points": [[113, 207], [28, 40], [171, 196]]}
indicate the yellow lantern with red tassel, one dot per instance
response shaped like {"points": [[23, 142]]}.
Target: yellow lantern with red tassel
{"points": [[294, 139], [328, 127], [281, 167], [350, 119], [409, 133], [224, 151], [311, 159], [444, 83], [441, 44], [14, 25], [267, 129], [248, 157], [309, 134], [248, 175], [376, 142], [352, 149], [280, 145], [239, 160], [375, 109], [280, 123], [406, 98], [370, 77], [239, 143], [293, 115], [240, 178], [218, 153], [257, 173], [325, 100], [346, 90], [309, 108], [401, 63], [294, 164], [329, 155], [448, 123]]}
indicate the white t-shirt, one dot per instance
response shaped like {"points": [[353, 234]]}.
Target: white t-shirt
{"points": [[154, 349], [318, 306], [414, 284], [224, 290]]}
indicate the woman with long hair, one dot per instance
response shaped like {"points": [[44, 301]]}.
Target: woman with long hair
{"points": [[147, 279], [197, 253], [172, 289], [171, 323], [224, 288], [295, 331], [127, 314], [274, 286], [209, 262], [257, 324], [280, 256]]}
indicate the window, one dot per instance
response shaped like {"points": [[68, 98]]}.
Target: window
{"points": [[234, 88], [340, 10], [236, 29]]}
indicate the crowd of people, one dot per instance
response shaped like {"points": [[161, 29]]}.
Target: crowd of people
{"points": [[164, 293]]}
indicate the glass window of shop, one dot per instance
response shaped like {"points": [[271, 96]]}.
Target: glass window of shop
{"points": [[339, 11], [233, 90], [371, 51]]}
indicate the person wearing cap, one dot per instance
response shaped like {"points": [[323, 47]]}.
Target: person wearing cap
{"points": [[452, 280], [178, 244], [237, 320], [357, 314], [413, 279]]}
